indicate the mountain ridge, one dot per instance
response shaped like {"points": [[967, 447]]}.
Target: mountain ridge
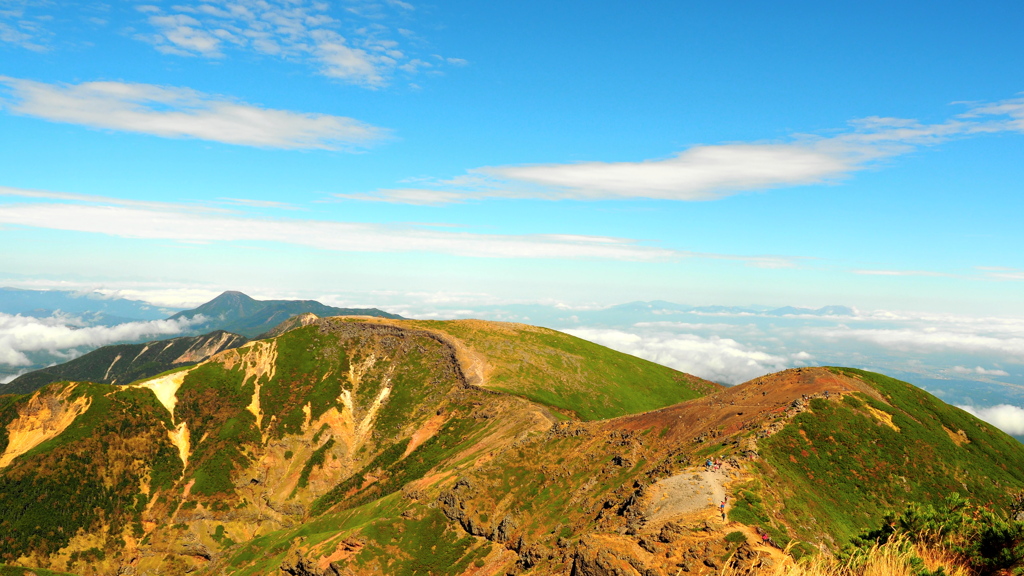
{"points": [[124, 363], [365, 446], [234, 311]]}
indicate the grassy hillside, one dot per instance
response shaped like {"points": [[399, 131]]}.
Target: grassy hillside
{"points": [[405, 447], [586, 379], [116, 452], [840, 466]]}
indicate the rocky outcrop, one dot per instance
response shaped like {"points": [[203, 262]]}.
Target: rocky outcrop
{"points": [[303, 567], [592, 560]]}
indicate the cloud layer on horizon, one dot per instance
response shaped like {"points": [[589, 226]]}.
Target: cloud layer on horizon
{"points": [[61, 335], [713, 358], [173, 112], [1006, 417]]}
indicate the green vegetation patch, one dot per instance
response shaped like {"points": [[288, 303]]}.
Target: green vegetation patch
{"points": [[124, 430], [18, 571], [213, 401], [406, 547], [735, 537], [840, 466], [987, 541], [398, 471], [570, 373], [316, 460]]}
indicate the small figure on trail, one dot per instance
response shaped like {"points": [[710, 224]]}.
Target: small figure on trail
{"points": [[707, 464]]}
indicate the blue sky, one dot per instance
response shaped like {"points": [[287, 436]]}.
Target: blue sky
{"points": [[863, 154], [536, 162]]}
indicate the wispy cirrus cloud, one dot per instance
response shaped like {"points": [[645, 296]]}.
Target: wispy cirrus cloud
{"points": [[996, 273], [173, 112], [349, 40], [1001, 272], [927, 273], [187, 224], [22, 25], [200, 224], [711, 172]]}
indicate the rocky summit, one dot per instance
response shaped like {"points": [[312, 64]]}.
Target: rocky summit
{"points": [[351, 446]]}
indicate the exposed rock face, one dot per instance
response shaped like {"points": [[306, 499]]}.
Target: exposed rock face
{"points": [[590, 560], [303, 567], [454, 507], [44, 417]]}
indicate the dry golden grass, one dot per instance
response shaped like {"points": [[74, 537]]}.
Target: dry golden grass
{"points": [[896, 558]]}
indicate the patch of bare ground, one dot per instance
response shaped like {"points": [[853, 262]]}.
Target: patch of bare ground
{"points": [[43, 417], [683, 496], [742, 407]]}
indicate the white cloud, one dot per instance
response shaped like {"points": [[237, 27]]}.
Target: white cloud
{"points": [[164, 297], [192, 226], [21, 25], [59, 335], [1006, 417], [719, 359], [183, 113], [136, 219], [1001, 272], [931, 339], [355, 48], [710, 172], [978, 370], [183, 35], [699, 173]]}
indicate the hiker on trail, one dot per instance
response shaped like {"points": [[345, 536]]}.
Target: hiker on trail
{"points": [[707, 464], [722, 508]]}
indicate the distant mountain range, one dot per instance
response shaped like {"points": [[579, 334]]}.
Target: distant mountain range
{"points": [[235, 312], [124, 363], [95, 308], [227, 321]]}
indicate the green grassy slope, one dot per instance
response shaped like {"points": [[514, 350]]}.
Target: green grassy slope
{"points": [[107, 451], [838, 468], [570, 373]]}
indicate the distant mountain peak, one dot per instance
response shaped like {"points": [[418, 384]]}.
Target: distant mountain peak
{"points": [[237, 312]]}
